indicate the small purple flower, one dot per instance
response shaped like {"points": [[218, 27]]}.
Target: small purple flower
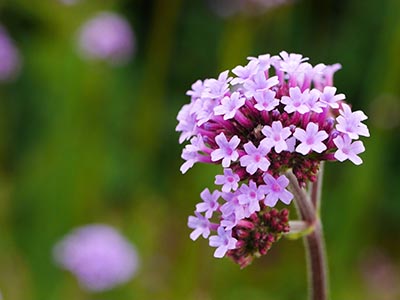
{"points": [[197, 90], [10, 59], [311, 139], [275, 136], [310, 73], [297, 101], [291, 62], [229, 181], [206, 112], [275, 189], [224, 241], [217, 88], [232, 206], [108, 37], [187, 123], [244, 73], [190, 157], [226, 150], [264, 61], [200, 224], [259, 83], [229, 106], [328, 97], [348, 150], [210, 202], [98, 256], [255, 157], [251, 196], [325, 77], [228, 222], [350, 122], [313, 102], [191, 153], [265, 100]]}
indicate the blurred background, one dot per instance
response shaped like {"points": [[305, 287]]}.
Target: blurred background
{"points": [[90, 140]]}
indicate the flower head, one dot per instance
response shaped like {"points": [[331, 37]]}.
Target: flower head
{"points": [[277, 113], [98, 256]]}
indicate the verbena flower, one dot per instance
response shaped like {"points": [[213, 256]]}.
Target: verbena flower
{"points": [[10, 59], [108, 37], [277, 113], [98, 256], [229, 181]]}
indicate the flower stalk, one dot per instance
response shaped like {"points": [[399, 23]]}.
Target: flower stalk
{"points": [[308, 210], [316, 261]]}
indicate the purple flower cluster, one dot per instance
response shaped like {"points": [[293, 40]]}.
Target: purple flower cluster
{"points": [[108, 37], [10, 59], [98, 256], [276, 113]]}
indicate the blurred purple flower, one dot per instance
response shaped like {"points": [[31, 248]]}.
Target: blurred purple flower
{"points": [[10, 59], [108, 37], [380, 274], [98, 256], [69, 2], [227, 8]]}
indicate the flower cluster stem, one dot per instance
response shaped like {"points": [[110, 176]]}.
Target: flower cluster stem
{"points": [[316, 188], [308, 210], [317, 269], [303, 204]]}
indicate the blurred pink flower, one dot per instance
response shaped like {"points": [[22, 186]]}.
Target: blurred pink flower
{"points": [[98, 256], [107, 36], [10, 59]]}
